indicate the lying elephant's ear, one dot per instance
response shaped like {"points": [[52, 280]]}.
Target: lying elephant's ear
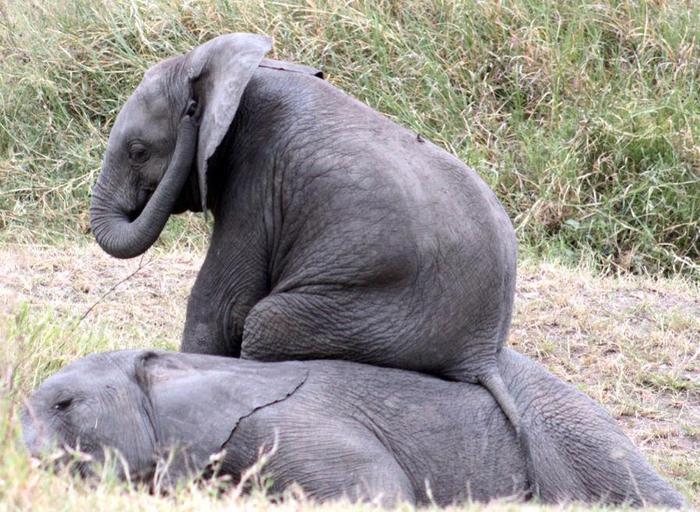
{"points": [[197, 401], [219, 71]]}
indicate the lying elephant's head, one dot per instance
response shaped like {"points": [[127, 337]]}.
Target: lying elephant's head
{"points": [[92, 404], [152, 407], [142, 180]]}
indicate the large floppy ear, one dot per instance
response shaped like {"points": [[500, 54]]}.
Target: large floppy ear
{"points": [[219, 71], [197, 401]]}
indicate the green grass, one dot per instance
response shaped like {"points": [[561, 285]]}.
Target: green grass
{"points": [[628, 342], [583, 116]]}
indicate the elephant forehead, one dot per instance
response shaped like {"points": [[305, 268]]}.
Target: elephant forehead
{"points": [[157, 81], [150, 98], [86, 372], [146, 114]]}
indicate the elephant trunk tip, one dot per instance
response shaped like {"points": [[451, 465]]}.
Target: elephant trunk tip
{"points": [[110, 231]]}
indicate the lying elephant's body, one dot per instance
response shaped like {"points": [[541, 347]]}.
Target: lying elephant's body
{"points": [[346, 429]]}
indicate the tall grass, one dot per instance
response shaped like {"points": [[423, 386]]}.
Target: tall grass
{"points": [[583, 116]]}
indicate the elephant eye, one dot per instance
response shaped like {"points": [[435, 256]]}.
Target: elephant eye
{"points": [[138, 153], [63, 404]]}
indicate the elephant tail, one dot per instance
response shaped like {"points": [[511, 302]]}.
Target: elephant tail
{"points": [[493, 382]]}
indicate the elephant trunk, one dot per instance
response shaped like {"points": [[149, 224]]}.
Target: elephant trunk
{"points": [[114, 230]]}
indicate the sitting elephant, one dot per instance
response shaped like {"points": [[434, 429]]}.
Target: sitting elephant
{"points": [[337, 233], [343, 429]]}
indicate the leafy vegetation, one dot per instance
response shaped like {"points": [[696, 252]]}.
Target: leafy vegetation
{"points": [[583, 116]]}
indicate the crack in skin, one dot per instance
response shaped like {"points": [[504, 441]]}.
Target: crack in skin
{"points": [[233, 430]]}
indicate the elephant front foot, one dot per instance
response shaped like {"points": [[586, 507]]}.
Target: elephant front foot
{"points": [[199, 338]]}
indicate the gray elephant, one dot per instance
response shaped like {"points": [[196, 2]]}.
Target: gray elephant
{"points": [[337, 233], [343, 429]]}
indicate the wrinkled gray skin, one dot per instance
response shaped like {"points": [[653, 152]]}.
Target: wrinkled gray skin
{"points": [[344, 429], [337, 233]]}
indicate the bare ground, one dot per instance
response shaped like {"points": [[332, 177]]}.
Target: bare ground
{"points": [[631, 343]]}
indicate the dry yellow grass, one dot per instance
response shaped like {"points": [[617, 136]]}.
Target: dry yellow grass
{"points": [[629, 342]]}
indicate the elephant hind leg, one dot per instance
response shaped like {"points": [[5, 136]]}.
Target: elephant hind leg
{"points": [[302, 326]]}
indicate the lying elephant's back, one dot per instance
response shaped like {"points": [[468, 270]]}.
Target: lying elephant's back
{"points": [[450, 439], [455, 436]]}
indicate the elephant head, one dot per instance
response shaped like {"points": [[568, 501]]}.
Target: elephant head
{"points": [[150, 156], [151, 406], [90, 405]]}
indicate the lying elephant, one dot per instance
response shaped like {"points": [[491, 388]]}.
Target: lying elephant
{"points": [[337, 233], [344, 429]]}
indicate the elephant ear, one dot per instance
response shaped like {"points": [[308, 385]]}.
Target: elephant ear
{"points": [[196, 402], [219, 71]]}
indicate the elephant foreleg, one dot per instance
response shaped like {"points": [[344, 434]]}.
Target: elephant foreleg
{"points": [[218, 305]]}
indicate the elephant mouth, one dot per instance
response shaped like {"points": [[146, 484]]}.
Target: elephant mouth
{"points": [[189, 198], [143, 196], [181, 206], [132, 214], [117, 228]]}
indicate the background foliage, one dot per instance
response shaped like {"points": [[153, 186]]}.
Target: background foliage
{"points": [[583, 116]]}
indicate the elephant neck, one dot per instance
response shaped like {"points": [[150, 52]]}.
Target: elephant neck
{"points": [[259, 131], [272, 104]]}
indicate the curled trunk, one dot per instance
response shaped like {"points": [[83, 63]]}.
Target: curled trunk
{"points": [[114, 230]]}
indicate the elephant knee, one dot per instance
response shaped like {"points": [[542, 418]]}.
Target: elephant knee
{"points": [[390, 491], [201, 338]]}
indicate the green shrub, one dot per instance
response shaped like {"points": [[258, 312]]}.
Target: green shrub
{"points": [[583, 116]]}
